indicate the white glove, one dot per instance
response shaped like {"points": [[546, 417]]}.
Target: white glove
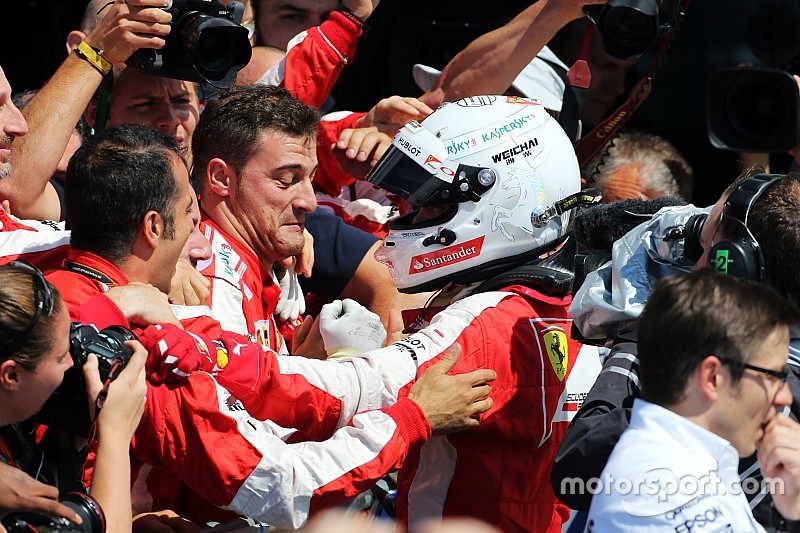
{"points": [[292, 302], [348, 329]]}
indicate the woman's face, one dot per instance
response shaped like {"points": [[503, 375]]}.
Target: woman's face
{"points": [[37, 385]]}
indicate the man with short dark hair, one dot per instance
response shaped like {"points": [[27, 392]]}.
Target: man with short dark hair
{"points": [[256, 193], [712, 385]]}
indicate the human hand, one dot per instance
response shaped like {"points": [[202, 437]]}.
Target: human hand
{"points": [[124, 404], [307, 340], [173, 354], [360, 149], [129, 25], [143, 304], [188, 286], [163, 522], [779, 456], [361, 8], [452, 403], [292, 302], [303, 263], [348, 329], [20, 493], [391, 114]]}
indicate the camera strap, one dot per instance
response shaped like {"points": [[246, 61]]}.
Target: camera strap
{"points": [[591, 144]]}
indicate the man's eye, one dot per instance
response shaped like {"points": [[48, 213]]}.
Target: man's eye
{"points": [[293, 17]]}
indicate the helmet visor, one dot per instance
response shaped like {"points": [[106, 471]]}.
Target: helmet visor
{"points": [[401, 175]]}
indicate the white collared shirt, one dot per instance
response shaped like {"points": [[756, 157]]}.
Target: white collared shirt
{"points": [[666, 473]]}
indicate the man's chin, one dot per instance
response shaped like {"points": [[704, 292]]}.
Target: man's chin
{"points": [[5, 169]]}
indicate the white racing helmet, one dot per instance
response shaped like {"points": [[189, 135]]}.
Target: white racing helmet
{"points": [[506, 172]]}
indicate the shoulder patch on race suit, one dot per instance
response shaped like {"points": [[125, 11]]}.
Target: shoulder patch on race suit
{"points": [[574, 365], [552, 339], [555, 342]]}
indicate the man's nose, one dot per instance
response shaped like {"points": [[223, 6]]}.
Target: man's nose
{"points": [[15, 126], [783, 397]]}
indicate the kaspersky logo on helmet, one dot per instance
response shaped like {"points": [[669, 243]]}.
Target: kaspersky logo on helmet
{"points": [[446, 256]]}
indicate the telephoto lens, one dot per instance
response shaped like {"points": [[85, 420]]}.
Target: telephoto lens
{"points": [[92, 516]]}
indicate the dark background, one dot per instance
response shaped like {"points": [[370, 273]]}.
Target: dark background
{"points": [[405, 32]]}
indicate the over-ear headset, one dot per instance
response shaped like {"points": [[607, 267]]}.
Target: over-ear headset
{"points": [[739, 254]]}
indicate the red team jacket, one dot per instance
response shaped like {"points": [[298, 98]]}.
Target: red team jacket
{"points": [[198, 445]]}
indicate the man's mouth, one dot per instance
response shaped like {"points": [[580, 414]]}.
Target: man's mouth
{"points": [[5, 146]]}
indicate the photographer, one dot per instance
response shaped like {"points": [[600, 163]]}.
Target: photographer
{"points": [[34, 335]]}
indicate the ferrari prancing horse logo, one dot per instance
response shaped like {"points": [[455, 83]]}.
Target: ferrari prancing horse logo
{"points": [[555, 342]]}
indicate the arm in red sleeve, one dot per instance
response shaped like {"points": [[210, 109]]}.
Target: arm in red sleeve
{"points": [[100, 311], [202, 435], [330, 177], [315, 59]]}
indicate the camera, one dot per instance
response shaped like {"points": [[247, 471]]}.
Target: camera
{"points": [[206, 44], [68, 407], [629, 27], [94, 521], [753, 110]]}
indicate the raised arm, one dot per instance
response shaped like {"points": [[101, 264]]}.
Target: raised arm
{"points": [[55, 110], [490, 63]]}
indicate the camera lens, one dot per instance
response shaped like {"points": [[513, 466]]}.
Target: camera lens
{"points": [[215, 45], [630, 26], [758, 108], [94, 520], [92, 516], [216, 49]]}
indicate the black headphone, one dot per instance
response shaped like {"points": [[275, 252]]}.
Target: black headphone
{"points": [[740, 254]]}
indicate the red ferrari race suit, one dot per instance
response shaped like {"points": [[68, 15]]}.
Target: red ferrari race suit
{"points": [[243, 293], [200, 446], [44, 244], [315, 59], [500, 471], [358, 203]]}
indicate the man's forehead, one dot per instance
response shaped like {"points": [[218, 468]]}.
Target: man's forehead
{"points": [[5, 87], [133, 83], [299, 5]]}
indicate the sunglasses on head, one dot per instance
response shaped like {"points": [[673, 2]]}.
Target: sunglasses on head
{"points": [[43, 303]]}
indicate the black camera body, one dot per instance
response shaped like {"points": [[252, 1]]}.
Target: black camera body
{"points": [[94, 520], [753, 110], [629, 27], [206, 44], [68, 407]]}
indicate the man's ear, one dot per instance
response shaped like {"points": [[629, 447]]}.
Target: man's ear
{"points": [[220, 177], [90, 112], [74, 38], [152, 228], [712, 377], [9, 376]]}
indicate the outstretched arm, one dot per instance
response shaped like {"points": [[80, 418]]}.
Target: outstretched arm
{"points": [[489, 64], [55, 110]]}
